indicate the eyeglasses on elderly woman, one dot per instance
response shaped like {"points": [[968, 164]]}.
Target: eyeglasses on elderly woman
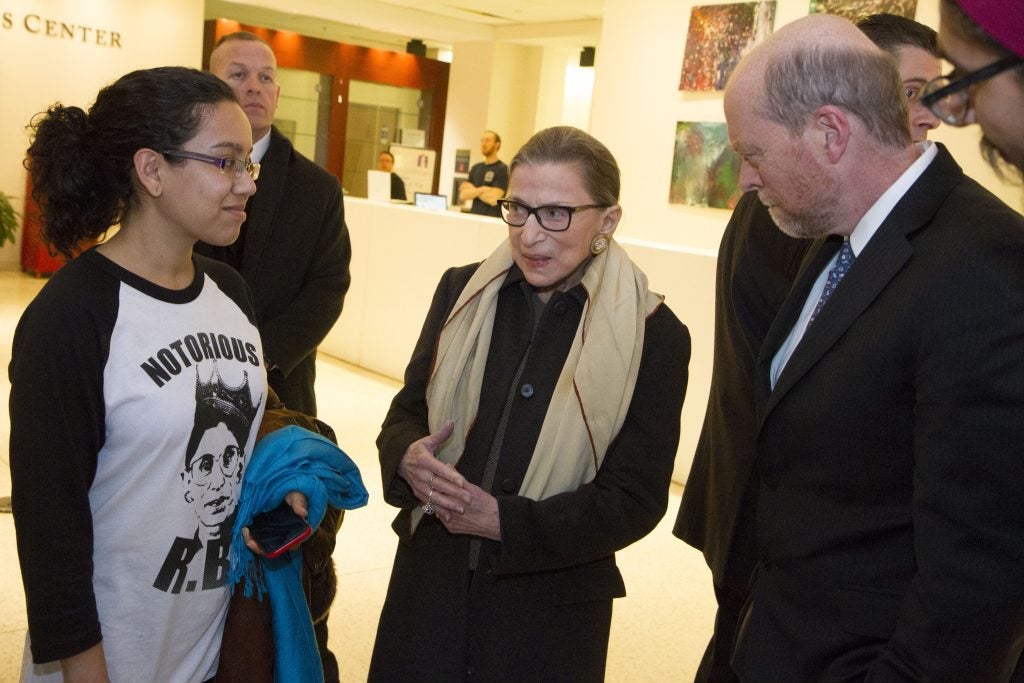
{"points": [[551, 218], [949, 99]]}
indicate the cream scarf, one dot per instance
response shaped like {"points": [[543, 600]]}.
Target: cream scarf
{"points": [[594, 389]]}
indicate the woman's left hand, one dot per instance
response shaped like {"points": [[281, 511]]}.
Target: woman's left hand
{"points": [[479, 517]]}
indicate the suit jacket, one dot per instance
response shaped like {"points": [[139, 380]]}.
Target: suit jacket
{"points": [[295, 254], [890, 509], [757, 264]]}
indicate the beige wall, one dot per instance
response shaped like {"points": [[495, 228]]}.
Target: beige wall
{"points": [[637, 104], [37, 69]]}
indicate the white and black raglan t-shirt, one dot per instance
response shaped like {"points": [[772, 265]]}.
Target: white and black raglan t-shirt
{"points": [[133, 412]]}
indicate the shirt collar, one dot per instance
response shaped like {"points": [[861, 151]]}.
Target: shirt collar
{"points": [[515, 277], [870, 221], [259, 148]]}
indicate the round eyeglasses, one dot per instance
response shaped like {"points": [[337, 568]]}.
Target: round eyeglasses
{"points": [[205, 465], [227, 165], [949, 99], [551, 218]]}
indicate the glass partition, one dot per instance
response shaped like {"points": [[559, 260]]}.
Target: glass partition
{"points": [[379, 116], [303, 111]]}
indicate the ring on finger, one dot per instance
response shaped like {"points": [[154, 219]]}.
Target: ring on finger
{"points": [[428, 509], [432, 478]]}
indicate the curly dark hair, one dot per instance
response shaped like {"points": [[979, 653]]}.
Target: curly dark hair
{"points": [[82, 163]]}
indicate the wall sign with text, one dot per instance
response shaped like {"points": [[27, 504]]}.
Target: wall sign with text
{"points": [[59, 29]]}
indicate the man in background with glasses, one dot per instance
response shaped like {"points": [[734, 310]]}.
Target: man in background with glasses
{"points": [[984, 41]]}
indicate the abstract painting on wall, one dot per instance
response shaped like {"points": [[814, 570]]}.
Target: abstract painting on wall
{"points": [[858, 9], [705, 170], [719, 35]]}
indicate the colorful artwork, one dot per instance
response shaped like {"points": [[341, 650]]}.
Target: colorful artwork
{"points": [[858, 9], [718, 37], [705, 170]]}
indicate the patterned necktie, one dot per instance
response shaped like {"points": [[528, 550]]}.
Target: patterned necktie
{"points": [[836, 274]]}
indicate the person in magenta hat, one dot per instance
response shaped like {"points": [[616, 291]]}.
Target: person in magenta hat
{"points": [[984, 42]]}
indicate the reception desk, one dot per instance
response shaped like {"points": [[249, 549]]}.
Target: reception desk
{"points": [[399, 253]]}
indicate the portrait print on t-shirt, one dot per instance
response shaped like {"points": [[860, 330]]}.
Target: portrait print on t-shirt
{"points": [[211, 479]]}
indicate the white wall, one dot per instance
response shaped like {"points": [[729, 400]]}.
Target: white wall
{"points": [[37, 69]]}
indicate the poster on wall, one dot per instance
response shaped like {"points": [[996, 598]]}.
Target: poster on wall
{"points": [[858, 9], [719, 35], [705, 170]]}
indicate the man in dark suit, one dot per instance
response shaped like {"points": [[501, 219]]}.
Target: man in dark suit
{"points": [[294, 248], [294, 253], [889, 389], [757, 264]]}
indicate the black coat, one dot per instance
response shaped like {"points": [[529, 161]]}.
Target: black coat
{"points": [[295, 254], [757, 264], [890, 517], [539, 605]]}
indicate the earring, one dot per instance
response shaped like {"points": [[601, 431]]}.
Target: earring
{"points": [[598, 244]]}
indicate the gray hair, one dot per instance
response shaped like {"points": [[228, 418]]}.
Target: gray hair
{"points": [[568, 145], [862, 82]]}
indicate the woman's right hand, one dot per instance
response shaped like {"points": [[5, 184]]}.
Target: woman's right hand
{"points": [[437, 485]]}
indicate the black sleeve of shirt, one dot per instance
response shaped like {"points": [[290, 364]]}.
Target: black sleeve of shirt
{"points": [[57, 429]]}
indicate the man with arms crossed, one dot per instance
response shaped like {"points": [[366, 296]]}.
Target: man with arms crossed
{"points": [[488, 180]]}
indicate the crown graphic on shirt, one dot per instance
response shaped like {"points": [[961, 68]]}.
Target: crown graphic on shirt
{"points": [[224, 399]]}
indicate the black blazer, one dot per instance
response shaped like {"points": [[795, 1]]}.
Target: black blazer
{"points": [[295, 258], [757, 264], [890, 510]]}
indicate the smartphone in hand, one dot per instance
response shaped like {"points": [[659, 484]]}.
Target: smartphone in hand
{"points": [[279, 530]]}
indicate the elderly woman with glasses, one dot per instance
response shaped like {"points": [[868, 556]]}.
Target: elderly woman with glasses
{"points": [[534, 437], [984, 41]]}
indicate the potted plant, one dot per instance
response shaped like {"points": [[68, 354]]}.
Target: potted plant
{"points": [[8, 220]]}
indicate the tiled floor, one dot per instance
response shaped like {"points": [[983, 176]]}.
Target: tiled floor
{"points": [[658, 632]]}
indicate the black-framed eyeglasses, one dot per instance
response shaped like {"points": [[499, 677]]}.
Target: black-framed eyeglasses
{"points": [[227, 165], [551, 218], [948, 98]]}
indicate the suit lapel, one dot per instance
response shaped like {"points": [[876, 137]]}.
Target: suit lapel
{"points": [[264, 204], [883, 257]]}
